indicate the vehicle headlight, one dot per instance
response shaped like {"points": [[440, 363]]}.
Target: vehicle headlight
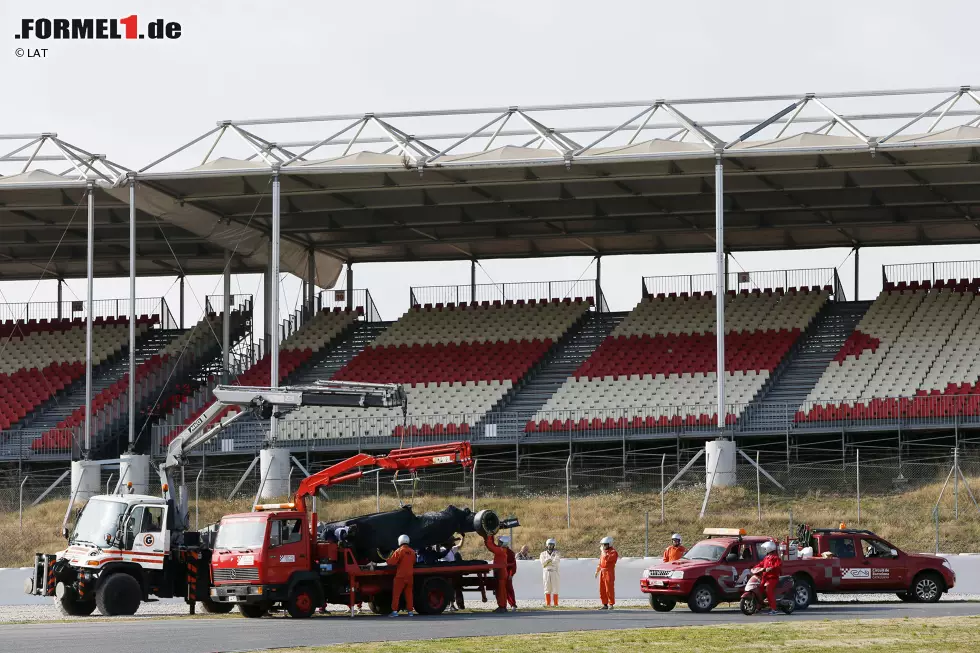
{"points": [[677, 575], [645, 574]]}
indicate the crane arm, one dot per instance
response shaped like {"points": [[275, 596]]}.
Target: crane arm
{"points": [[263, 401], [452, 453]]}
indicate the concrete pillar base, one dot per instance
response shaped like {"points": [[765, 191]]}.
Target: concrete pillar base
{"points": [[86, 478], [274, 467], [721, 453], [135, 469]]}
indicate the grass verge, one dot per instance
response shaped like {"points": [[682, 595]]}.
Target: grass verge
{"points": [[948, 634], [905, 519]]}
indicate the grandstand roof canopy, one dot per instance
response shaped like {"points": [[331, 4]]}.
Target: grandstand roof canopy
{"points": [[801, 171]]}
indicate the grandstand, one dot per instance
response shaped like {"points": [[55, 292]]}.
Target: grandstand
{"points": [[504, 364]]}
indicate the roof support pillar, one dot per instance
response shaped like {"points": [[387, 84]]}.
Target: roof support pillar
{"points": [[181, 312], [727, 258], [61, 283], [267, 305], [350, 286], [226, 321], [311, 283], [274, 292], [132, 313], [720, 281], [473, 280], [86, 452], [857, 273], [598, 283]]}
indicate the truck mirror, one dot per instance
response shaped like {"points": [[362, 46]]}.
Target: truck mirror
{"points": [[64, 533], [894, 553], [732, 557]]}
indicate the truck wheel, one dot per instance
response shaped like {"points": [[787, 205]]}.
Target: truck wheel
{"points": [[702, 599], [68, 604], [803, 593], [660, 604], [927, 588], [252, 610], [213, 607], [434, 596], [301, 603], [118, 595]]}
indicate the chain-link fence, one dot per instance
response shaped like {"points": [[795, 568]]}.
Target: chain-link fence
{"points": [[919, 500]]}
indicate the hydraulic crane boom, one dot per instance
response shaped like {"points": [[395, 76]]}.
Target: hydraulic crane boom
{"points": [[262, 402], [452, 453]]}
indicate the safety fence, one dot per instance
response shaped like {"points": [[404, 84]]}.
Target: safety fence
{"points": [[504, 292], [359, 298], [738, 281], [957, 271], [77, 310], [922, 500]]}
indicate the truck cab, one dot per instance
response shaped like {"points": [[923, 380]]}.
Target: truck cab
{"points": [[114, 536], [714, 570], [265, 558]]}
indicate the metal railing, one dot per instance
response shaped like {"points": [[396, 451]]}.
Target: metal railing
{"points": [[359, 298], [503, 292], [215, 304], [931, 271], [753, 280], [76, 310]]}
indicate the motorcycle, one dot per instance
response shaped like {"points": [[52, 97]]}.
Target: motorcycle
{"points": [[754, 596]]}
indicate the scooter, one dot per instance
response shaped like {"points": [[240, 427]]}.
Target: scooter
{"points": [[754, 596]]}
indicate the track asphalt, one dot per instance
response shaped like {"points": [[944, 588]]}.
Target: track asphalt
{"points": [[209, 635]]}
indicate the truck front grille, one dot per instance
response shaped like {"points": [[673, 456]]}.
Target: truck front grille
{"points": [[236, 573]]}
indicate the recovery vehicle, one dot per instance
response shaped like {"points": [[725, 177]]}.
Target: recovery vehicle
{"points": [[843, 561], [277, 557], [128, 548]]}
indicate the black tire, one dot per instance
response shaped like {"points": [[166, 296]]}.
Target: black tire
{"points": [[803, 593], [661, 604], [703, 598], [118, 595], [69, 605], [460, 600], [213, 607], [748, 605], [433, 596], [788, 606], [379, 607], [302, 603], [252, 610], [928, 587], [906, 597]]}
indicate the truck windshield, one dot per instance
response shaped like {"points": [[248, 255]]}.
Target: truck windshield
{"points": [[240, 534], [706, 551], [98, 519]]}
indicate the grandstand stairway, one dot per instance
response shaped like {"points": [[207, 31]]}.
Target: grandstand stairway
{"points": [[352, 342], [61, 406], [566, 357], [788, 389]]}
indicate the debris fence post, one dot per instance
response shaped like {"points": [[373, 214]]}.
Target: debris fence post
{"points": [[935, 515], [646, 537], [21, 509], [758, 487], [197, 500], [377, 492], [956, 483], [857, 465], [568, 492], [473, 478], [663, 515]]}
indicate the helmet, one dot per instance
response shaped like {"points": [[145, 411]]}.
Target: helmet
{"points": [[403, 539], [768, 547], [551, 542], [676, 536], [606, 540]]}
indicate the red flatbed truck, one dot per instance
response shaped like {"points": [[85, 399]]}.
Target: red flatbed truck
{"points": [[274, 558]]}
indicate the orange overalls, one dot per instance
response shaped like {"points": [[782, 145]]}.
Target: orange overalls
{"points": [[607, 576], [500, 575], [403, 559], [672, 553], [511, 572]]}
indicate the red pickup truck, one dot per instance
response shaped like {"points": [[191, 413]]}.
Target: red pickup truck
{"points": [[715, 570]]}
